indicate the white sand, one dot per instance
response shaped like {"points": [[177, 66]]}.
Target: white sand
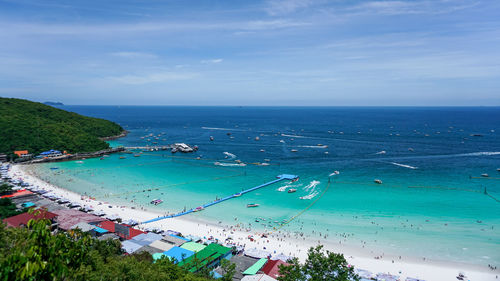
{"points": [[279, 242]]}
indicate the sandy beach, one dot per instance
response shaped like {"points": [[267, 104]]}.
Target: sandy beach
{"points": [[278, 242]]}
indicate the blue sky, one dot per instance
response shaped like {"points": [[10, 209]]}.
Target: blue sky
{"points": [[297, 52]]}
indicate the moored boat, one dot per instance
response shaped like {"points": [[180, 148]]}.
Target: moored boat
{"points": [[252, 205], [292, 190], [378, 181]]}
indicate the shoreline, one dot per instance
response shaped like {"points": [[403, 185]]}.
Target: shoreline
{"points": [[279, 242]]}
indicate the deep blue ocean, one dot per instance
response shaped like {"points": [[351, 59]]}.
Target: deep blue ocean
{"points": [[430, 160]]}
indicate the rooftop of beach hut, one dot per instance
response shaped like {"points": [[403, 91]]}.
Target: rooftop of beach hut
{"points": [[164, 246], [272, 268], [24, 218], [70, 217], [207, 256], [28, 204], [193, 246], [149, 249], [130, 247], [258, 277], [174, 240], [178, 254], [83, 226], [252, 270], [100, 230]]}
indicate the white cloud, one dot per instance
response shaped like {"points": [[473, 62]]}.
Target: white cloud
{"points": [[133, 55], [160, 77], [211, 61], [281, 7]]}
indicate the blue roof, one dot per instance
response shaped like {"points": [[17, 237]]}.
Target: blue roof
{"points": [[100, 230], [178, 253], [50, 152]]}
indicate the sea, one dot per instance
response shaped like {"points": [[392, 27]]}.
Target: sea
{"points": [[437, 167]]}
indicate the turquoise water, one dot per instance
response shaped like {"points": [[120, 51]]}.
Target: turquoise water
{"points": [[431, 202]]}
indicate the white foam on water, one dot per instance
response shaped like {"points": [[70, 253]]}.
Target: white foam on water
{"points": [[310, 196], [232, 156], [283, 188], [485, 153], [311, 185], [404, 166], [313, 146], [230, 164], [221, 129]]}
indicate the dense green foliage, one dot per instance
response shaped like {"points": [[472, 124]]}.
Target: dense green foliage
{"points": [[36, 127], [319, 266], [7, 208], [34, 253]]}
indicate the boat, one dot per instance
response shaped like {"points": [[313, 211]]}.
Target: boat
{"points": [[292, 190], [211, 138], [498, 169], [294, 150], [485, 175], [102, 158], [252, 205], [198, 209], [137, 155], [79, 162], [262, 150], [156, 202], [122, 157], [237, 194], [378, 181], [257, 138]]}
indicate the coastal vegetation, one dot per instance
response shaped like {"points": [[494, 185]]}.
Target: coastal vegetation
{"points": [[34, 253], [36, 127]]}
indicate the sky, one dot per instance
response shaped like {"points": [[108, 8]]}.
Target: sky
{"points": [[296, 52]]}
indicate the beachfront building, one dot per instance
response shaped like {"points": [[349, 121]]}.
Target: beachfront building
{"points": [[3, 158], [51, 154]]}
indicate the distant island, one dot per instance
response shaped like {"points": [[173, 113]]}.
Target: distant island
{"points": [[51, 103], [37, 127]]}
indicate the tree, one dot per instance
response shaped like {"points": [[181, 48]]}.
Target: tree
{"points": [[5, 188], [229, 269], [320, 265], [7, 208]]}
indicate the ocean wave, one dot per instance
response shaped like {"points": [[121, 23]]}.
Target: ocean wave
{"points": [[230, 155], [230, 164], [404, 166], [311, 185]]}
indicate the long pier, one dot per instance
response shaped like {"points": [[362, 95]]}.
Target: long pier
{"points": [[236, 195]]}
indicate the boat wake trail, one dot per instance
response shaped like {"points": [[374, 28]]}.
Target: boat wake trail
{"points": [[230, 164], [310, 196], [283, 188], [486, 153], [313, 146], [222, 129], [230, 155], [404, 166], [311, 186]]}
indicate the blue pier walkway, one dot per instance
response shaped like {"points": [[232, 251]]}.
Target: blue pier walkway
{"points": [[236, 195]]}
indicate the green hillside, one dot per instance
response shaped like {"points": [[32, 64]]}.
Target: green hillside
{"points": [[33, 126]]}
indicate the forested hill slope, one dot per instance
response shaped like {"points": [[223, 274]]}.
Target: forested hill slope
{"points": [[33, 126]]}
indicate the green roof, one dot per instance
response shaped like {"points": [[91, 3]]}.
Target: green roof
{"points": [[193, 246], [255, 267], [205, 256]]}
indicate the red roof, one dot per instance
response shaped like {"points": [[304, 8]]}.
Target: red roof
{"points": [[108, 225], [22, 219], [134, 232], [20, 192], [69, 217], [271, 268]]}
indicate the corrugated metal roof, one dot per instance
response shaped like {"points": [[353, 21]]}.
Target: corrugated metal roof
{"points": [[255, 267]]}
